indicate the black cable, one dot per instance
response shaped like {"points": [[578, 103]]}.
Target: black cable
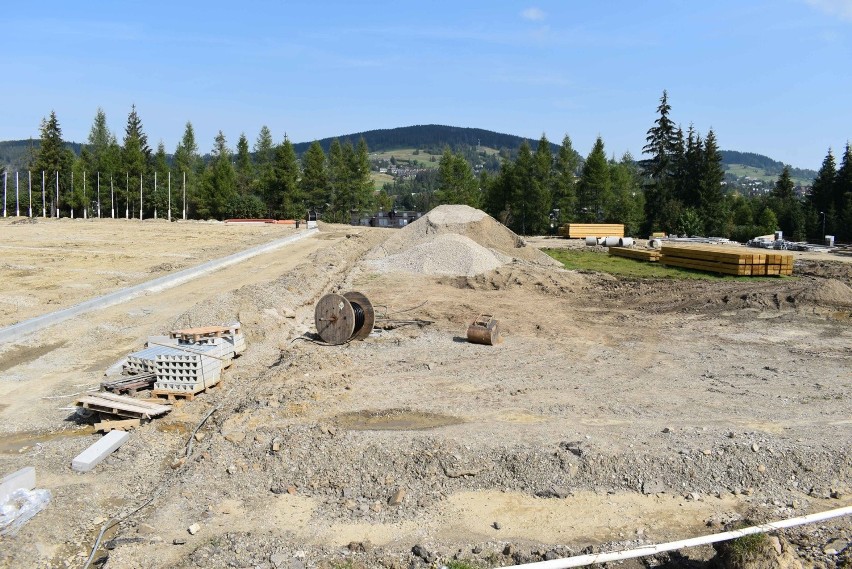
{"points": [[359, 317]]}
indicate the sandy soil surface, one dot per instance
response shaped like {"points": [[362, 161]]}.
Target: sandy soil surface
{"points": [[615, 413]]}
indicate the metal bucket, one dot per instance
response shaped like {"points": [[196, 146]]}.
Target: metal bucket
{"points": [[483, 330]]}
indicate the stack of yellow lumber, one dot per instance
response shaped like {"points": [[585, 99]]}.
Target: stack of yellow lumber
{"points": [[728, 260], [638, 254], [583, 230]]}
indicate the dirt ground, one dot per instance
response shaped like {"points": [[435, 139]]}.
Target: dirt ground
{"points": [[615, 413]]}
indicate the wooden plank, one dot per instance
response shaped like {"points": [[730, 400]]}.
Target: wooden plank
{"points": [[650, 255], [122, 425], [153, 407]]}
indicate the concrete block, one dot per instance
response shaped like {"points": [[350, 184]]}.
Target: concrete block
{"points": [[23, 478], [92, 456]]}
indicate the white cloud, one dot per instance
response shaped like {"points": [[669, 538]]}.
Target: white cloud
{"points": [[533, 14], [840, 8]]}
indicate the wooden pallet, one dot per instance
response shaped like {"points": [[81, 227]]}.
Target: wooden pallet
{"points": [[130, 384], [650, 255], [121, 406], [196, 334], [727, 260], [583, 230], [172, 395]]}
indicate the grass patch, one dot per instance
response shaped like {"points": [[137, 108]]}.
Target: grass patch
{"points": [[603, 263]]}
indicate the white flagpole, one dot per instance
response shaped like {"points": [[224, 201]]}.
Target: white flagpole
{"points": [[85, 200], [99, 194], [5, 175], [155, 194], [57, 193], [111, 198], [170, 195], [127, 194], [72, 193], [30, 178], [17, 197], [184, 195], [140, 197], [43, 201]]}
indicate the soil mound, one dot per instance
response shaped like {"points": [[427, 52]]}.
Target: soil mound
{"points": [[828, 292], [453, 240]]}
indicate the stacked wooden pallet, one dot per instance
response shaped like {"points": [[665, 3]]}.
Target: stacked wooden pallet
{"points": [[650, 255], [583, 230], [727, 260]]}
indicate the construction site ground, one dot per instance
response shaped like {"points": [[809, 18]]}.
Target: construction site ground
{"points": [[615, 413]]}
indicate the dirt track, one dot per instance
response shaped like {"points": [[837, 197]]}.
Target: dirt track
{"points": [[615, 412]]}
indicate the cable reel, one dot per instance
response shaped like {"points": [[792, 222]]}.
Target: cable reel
{"points": [[342, 318]]}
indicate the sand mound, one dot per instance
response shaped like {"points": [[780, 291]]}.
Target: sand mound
{"points": [[829, 292], [448, 254], [437, 238]]}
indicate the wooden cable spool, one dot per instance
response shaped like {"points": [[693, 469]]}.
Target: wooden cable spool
{"points": [[341, 318], [483, 330]]}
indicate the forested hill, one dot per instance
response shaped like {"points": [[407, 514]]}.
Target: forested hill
{"points": [[430, 137], [770, 166]]}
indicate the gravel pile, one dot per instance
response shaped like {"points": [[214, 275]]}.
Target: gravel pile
{"points": [[453, 240]]}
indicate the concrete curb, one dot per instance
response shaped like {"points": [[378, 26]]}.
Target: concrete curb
{"points": [[16, 332]]}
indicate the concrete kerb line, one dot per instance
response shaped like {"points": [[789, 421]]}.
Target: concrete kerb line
{"points": [[16, 331], [583, 560]]}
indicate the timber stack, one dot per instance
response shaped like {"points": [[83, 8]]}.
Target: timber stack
{"points": [[727, 260], [583, 230]]}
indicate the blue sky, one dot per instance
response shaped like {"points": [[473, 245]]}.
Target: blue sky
{"points": [[773, 77]]}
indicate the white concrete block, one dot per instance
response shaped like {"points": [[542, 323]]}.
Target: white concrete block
{"points": [[93, 455], [23, 478]]}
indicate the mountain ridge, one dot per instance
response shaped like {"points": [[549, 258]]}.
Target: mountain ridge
{"points": [[426, 137]]}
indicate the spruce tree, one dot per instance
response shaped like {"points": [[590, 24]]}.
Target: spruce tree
{"points": [[55, 160], [456, 182], [689, 182], [159, 202], [627, 197], [217, 190], [594, 192], [843, 196], [663, 145], [244, 167], [520, 183], [136, 155], [314, 183], [187, 164], [363, 181], [541, 193], [788, 208], [821, 198], [289, 199], [564, 182], [338, 174], [712, 205]]}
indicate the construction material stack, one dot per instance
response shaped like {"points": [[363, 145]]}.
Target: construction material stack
{"points": [[650, 255], [583, 230], [187, 361], [727, 260]]}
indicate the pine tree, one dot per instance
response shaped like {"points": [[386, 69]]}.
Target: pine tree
{"points": [[689, 181], [662, 144], [821, 198], [594, 192], [314, 183], [564, 182], [520, 181], [712, 205], [338, 175], [787, 207], [56, 161]]}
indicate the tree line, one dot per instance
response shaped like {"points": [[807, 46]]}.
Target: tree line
{"points": [[677, 187], [268, 180]]}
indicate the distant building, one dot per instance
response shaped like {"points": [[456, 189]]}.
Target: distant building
{"points": [[394, 218]]}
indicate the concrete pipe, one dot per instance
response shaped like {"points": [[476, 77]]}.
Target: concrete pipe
{"points": [[611, 241], [591, 241], [625, 242]]}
